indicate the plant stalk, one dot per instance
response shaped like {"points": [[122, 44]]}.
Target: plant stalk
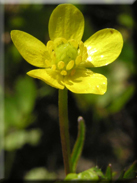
{"points": [[64, 128]]}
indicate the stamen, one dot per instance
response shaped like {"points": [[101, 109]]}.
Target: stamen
{"points": [[47, 62], [53, 67], [64, 73], [53, 56], [72, 72], [61, 65], [85, 49], [81, 47], [85, 54], [50, 46], [73, 43], [78, 60], [59, 41], [70, 65]]}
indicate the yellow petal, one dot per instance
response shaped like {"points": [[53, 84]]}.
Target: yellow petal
{"points": [[66, 21], [86, 81], [52, 78], [103, 47], [31, 49]]}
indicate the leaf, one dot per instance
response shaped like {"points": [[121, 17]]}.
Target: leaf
{"points": [[72, 176], [95, 175], [109, 172], [25, 94], [121, 174], [121, 100], [89, 174], [77, 150], [98, 172], [16, 139], [131, 172], [39, 173]]}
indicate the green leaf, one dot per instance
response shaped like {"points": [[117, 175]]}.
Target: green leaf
{"points": [[16, 139], [25, 94], [121, 175], [89, 174], [39, 173], [98, 172], [121, 100], [18, 107], [77, 150], [126, 20], [72, 176], [109, 172], [131, 172], [95, 175]]}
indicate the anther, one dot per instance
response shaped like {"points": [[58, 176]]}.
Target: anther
{"points": [[78, 60], [85, 55], [81, 47], [50, 46], [47, 62], [53, 56], [70, 65], [72, 72], [73, 43], [63, 72], [59, 41], [61, 65], [53, 67]]}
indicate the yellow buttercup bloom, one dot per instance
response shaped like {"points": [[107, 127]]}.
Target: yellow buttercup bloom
{"points": [[64, 60]]}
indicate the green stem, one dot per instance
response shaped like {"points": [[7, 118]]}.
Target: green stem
{"points": [[64, 128]]}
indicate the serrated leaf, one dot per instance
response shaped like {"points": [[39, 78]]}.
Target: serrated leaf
{"points": [[77, 150]]}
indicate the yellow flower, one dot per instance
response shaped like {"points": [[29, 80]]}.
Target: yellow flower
{"points": [[64, 60]]}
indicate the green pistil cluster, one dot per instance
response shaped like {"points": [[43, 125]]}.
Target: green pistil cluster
{"points": [[65, 55]]}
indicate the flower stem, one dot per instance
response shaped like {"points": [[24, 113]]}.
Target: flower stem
{"points": [[64, 128]]}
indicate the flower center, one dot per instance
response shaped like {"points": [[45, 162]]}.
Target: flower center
{"points": [[65, 55], [66, 52]]}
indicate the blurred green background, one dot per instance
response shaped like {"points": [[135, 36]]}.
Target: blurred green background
{"points": [[32, 139]]}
